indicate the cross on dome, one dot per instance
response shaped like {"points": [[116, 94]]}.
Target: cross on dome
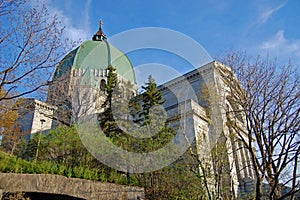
{"points": [[100, 24], [99, 36]]}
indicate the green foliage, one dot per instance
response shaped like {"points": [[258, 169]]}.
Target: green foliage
{"points": [[61, 152], [78, 171], [150, 122], [13, 164], [151, 97], [102, 176], [107, 121], [176, 181], [62, 146], [112, 83], [143, 145]]}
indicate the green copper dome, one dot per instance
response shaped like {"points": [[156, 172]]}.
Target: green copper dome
{"points": [[96, 55]]}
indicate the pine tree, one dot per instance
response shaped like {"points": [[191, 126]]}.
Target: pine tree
{"points": [[107, 121], [151, 97], [112, 83]]}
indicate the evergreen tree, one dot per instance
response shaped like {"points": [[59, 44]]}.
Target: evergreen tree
{"points": [[112, 83], [61, 145], [107, 121], [151, 97]]}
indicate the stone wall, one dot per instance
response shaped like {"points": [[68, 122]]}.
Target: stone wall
{"points": [[56, 184]]}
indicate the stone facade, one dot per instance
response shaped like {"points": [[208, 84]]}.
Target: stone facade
{"points": [[202, 97], [55, 184], [35, 116], [81, 92]]}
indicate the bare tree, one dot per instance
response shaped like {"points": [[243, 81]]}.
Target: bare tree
{"points": [[31, 45], [211, 167], [265, 98]]}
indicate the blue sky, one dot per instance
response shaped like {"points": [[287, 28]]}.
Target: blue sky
{"points": [[259, 27]]}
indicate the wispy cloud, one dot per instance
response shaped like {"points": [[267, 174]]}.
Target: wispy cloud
{"points": [[81, 31], [268, 12], [74, 33], [86, 16], [279, 46], [276, 41], [85, 21]]}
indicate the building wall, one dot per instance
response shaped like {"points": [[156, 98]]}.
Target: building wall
{"points": [[35, 116], [82, 92], [204, 92]]}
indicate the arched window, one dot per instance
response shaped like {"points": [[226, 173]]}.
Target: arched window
{"points": [[103, 85]]}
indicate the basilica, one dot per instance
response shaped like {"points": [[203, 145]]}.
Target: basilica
{"points": [[186, 101]]}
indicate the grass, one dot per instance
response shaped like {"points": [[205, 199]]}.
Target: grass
{"points": [[13, 164]]}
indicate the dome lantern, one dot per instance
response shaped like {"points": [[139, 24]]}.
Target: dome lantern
{"points": [[99, 36]]}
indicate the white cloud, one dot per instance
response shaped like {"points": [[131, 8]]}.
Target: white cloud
{"points": [[279, 46], [72, 32], [80, 32], [86, 16], [275, 42], [268, 12]]}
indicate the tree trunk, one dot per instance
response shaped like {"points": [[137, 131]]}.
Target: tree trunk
{"points": [[258, 192]]}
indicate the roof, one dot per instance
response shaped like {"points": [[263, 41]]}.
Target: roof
{"points": [[97, 55]]}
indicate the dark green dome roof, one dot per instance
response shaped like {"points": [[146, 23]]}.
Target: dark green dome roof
{"points": [[96, 55]]}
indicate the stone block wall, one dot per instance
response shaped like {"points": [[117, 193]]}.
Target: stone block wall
{"points": [[56, 184]]}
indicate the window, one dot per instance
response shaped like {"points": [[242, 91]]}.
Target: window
{"points": [[103, 85]]}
